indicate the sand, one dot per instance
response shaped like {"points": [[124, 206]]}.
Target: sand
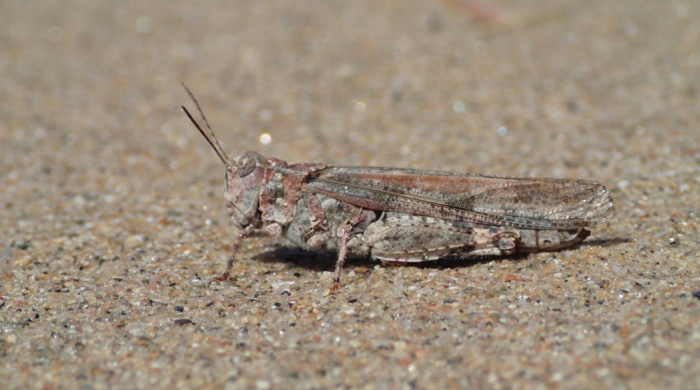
{"points": [[113, 224]]}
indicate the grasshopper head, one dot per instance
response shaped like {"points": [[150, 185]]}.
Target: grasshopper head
{"points": [[244, 176]]}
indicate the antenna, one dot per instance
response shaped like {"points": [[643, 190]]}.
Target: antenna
{"points": [[210, 137]]}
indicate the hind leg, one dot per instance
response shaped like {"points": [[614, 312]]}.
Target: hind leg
{"points": [[410, 238]]}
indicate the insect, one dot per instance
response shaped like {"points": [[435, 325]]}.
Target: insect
{"points": [[401, 215]]}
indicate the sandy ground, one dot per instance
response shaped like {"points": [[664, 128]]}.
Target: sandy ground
{"points": [[113, 225]]}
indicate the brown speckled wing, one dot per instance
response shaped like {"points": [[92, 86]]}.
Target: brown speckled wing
{"points": [[529, 203]]}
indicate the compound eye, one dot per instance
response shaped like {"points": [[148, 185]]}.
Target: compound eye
{"points": [[245, 165]]}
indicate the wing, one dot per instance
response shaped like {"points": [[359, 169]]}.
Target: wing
{"points": [[528, 203]]}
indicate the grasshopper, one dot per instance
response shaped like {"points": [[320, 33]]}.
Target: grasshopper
{"points": [[401, 215]]}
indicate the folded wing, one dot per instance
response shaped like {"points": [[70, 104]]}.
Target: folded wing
{"points": [[530, 203]]}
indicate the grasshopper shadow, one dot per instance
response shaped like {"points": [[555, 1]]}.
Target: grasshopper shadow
{"points": [[325, 261], [606, 242], [312, 261]]}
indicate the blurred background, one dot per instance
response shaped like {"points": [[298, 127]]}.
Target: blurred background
{"points": [[113, 224]]}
